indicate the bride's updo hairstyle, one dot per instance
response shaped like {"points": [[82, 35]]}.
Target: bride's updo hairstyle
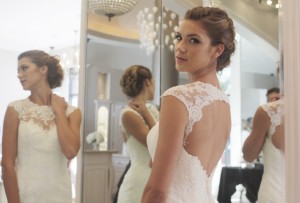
{"points": [[132, 80], [41, 58], [219, 28]]}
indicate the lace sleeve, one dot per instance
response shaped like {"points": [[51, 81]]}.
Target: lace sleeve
{"points": [[193, 99], [70, 109], [181, 94], [273, 110], [17, 105]]}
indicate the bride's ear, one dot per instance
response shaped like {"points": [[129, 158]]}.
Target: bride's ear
{"points": [[44, 69], [219, 49], [147, 82]]}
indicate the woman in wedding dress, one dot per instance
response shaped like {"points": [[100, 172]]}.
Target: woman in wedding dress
{"points": [[194, 123], [137, 118], [267, 136], [41, 134]]}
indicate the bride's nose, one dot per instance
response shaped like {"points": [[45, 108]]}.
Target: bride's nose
{"points": [[180, 46]]}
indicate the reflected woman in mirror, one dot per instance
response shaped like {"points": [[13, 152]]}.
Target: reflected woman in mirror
{"points": [[41, 134], [273, 94], [137, 118], [267, 135], [195, 121]]}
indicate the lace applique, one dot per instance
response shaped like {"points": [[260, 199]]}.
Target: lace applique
{"points": [[195, 97], [273, 110], [43, 116]]}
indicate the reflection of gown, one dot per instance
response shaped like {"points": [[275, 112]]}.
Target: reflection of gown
{"points": [[190, 183], [134, 182], [272, 185], [41, 167]]}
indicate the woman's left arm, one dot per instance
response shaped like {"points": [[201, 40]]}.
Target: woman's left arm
{"points": [[68, 127], [255, 141], [170, 141]]}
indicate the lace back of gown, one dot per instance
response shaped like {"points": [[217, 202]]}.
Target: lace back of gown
{"points": [[191, 182], [274, 167]]}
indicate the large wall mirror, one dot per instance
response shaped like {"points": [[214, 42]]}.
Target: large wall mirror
{"points": [[112, 45], [115, 43]]}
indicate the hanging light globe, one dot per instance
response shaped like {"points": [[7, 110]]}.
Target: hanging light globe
{"points": [[111, 8]]}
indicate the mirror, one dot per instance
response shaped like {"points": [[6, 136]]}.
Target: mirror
{"points": [[24, 26], [113, 45]]}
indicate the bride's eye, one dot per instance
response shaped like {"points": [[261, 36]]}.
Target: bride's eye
{"points": [[178, 37], [22, 68], [194, 41]]}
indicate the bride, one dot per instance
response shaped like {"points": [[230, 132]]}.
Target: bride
{"points": [[194, 123]]}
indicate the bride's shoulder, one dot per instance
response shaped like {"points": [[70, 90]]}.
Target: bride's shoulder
{"points": [[191, 88]]}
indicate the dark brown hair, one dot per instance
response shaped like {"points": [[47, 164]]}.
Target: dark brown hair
{"points": [[132, 80], [273, 90], [41, 58], [219, 28]]}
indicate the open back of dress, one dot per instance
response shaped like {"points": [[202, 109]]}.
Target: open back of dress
{"points": [[191, 182]]}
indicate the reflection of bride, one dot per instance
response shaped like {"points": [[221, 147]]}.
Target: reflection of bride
{"points": [[137, 118], [267, 136]]}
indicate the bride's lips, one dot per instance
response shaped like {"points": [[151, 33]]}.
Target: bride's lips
{"points": [[180, 59], [22, 82]]}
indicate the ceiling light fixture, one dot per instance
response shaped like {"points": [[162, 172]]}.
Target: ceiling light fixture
{"points": [[149, 25], [111, 8], [270, 3]]}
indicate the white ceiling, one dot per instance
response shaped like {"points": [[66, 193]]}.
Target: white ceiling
{"points": [[38, 24]]}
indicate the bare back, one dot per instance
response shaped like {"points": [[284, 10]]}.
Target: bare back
{"points": [[209, 122], [209, 135]]}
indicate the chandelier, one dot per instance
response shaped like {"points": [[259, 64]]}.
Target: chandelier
{"points": [[149, 24], [111, 8], [270, 3]]}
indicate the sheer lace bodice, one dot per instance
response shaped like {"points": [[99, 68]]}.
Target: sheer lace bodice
{"points": [[274, 168], [191, 182], [41, 167]]}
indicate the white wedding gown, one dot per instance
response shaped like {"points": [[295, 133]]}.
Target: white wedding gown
{"points": [[272, 186], [134, 182], [190, 183], [41, 167]]}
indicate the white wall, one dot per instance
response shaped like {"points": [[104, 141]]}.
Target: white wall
{"points": [[10, 88], [251, 99]]}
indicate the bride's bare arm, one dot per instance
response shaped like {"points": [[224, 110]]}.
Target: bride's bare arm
{"points": [[255, 141], [135, 126], [68, 127], [9, 154]]}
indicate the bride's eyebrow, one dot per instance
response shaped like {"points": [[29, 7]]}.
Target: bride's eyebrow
{"points": [[193, 35], [188, 35], [21, 66]]}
